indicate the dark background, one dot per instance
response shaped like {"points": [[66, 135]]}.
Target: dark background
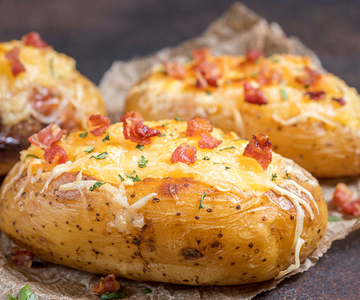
{"points": [[96, 33]]}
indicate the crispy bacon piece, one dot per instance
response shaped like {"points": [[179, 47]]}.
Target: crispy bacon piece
{"points": [[107, 284], [101, 122], [341, 199], [44, 100], [200, 54], [185, 154], [317, 95], [340, 100], [175, 70], [269, 76], [254, 95], [55, 154], [207, 73], [13, 58], [135, 129], [22, 257], [259, 148], [254, 55], [310, 77], [34, 39], [208, 142], [46, 137], [197, 126]]}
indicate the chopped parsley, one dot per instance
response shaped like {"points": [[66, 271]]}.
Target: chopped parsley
{"points": [[96, 185], [140, 147], [29, 155], [206, 157], [275, 60], [61, 77], [171, 133], [67, 135], [333, 219], [177, 119], [257, 61], [121, 178], [306, 180], [51, 66], [201, 206], [283, 94], [231, 147], [147, 291], [83, 135], [254, 74], [136, 178], [227, 168], [273, 176], [287, 176], [106, 138], [142, 163], [114, 295], [100, 156], [24, 294], [165, 124], [161, 135], [89, 150], [208, 92]]}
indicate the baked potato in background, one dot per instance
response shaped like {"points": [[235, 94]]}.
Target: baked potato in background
{"points": [[124, 206], [39, 86], [310, 117]]}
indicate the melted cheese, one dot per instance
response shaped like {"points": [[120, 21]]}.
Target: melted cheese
{"points": [[225, 168]]}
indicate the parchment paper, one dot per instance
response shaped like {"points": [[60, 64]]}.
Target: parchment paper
{"points": [[237, 31]]}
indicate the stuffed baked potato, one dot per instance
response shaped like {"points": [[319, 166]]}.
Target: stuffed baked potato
{"points": [[168, 201], [310, 117], [39, 86]]}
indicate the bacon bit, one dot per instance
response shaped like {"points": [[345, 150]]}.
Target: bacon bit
{"points": [[22, 257], [269, 76], [317, 95], [135, 129], [44, 100], [185, 154], [13, 58], [58, 152], [107, 284], [34, 39], [254, 95], [340, 100], [254, 55], [101, 122], [208, 142], [207, 73], [175, 70], [197, 126], [310, 77], [259, 148], [341, 199], [46, 137], [201, 54]]}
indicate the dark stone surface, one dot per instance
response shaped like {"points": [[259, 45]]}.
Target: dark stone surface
{"points": [[96, 33]]}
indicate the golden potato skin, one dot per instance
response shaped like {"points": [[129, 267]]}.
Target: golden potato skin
{"points": [[232, 241], [320, 135], [76, 97]]}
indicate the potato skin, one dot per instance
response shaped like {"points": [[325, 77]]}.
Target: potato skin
{"points": [[44, 68], [234, 240], [324, 150]]}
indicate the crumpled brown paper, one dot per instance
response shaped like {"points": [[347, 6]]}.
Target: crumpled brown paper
{"points": [[238, 30]]}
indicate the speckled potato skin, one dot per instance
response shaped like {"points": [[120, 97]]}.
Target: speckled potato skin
{"points": [[231, 241]]}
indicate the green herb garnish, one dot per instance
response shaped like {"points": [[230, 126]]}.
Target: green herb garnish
{"points": [[231, 147], [106, 138], [283, 94], [89, 150], [254, 74], [257, 61], [83, 135], [206, 157], [96, 185], [333, 219], [67, 135], [273, 176], [275, 60], [201, 206], [227, 168], [306, 180], [29, 155], [147, 291], [287, 176], [228, 81], [24, 294], [51, 66], [142, 163], [177, 119], [165, 124], [100, 156], [208, 92], [136, 178], [114, 295], [161, 135], [121, 178]]}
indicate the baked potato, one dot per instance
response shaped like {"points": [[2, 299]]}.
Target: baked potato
{"points": [[155, 202], [310, 117], [39, 86]]}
